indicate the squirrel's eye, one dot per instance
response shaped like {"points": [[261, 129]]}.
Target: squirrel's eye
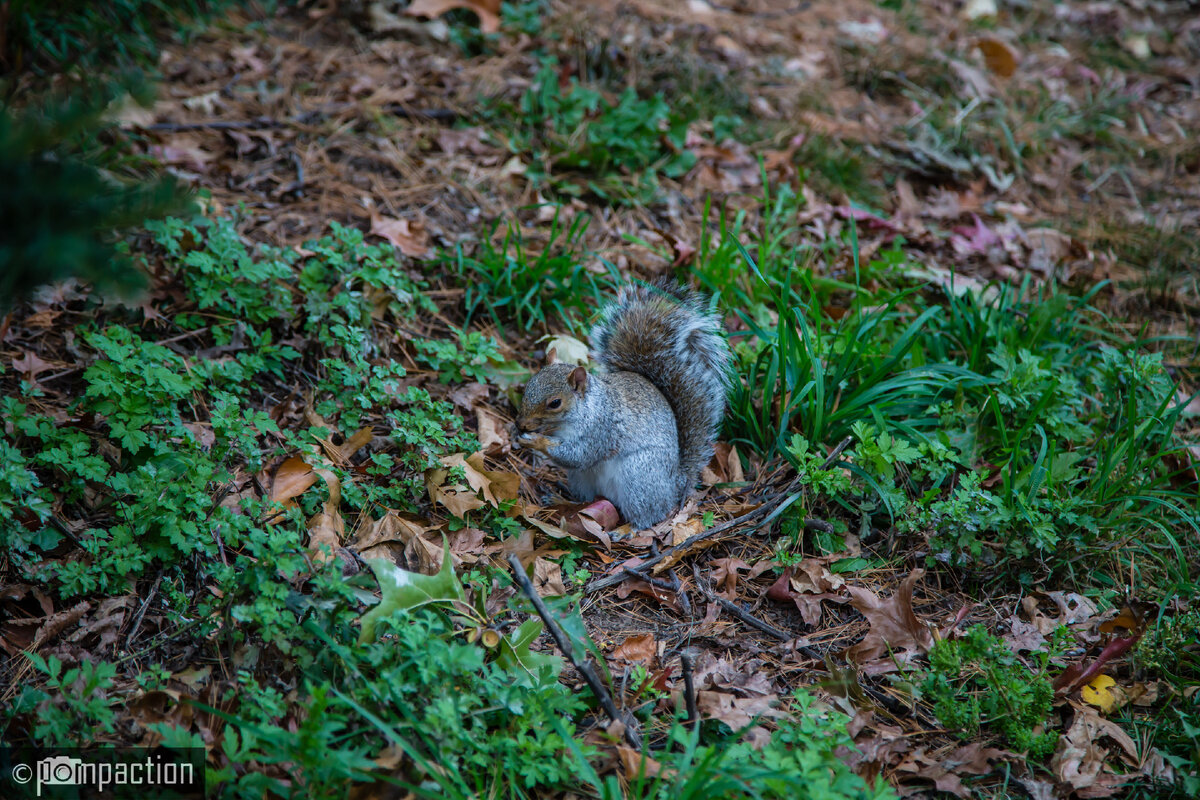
{"points": [[555, 403]]}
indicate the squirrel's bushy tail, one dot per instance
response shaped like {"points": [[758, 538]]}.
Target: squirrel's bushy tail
{"points": [[666, 334]]}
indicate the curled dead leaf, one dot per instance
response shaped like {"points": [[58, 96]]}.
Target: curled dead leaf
{"points": [[488, 11]]}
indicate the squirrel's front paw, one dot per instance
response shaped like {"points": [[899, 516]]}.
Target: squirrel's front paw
{"points": [[536, 441]]}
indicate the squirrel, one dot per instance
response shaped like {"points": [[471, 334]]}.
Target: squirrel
{"points": [[638, 431]]}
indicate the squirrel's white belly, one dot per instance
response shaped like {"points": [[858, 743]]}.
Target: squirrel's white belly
{"points": [[602, 478]]}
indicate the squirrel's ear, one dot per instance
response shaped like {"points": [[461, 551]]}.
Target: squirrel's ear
{"points": [[552, 356], [578, 380]]}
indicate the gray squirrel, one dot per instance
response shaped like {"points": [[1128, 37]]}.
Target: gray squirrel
{"points": [[638, 431]]}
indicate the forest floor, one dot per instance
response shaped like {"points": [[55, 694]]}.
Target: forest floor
{"points": [[875, 159]]}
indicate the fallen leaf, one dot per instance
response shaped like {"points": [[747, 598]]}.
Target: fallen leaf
{"points": [[636, 764], [401, 540], [1079, 758], [736, 712], [409, 237], [640, 648], [1000, 56], [30, 365], [488, 11], [469, 395], [493, 484], [806, 585], [326, 528], [685, 530], [894, 624], [547, 578], [493, 433], [725, 575], [1098, 693], [291, 479]]}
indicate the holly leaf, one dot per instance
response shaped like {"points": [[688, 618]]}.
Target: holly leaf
{"points": [[404, 590]]}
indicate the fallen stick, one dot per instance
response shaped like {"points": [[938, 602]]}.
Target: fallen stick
{"points": [[771, 509], [632, 736]]}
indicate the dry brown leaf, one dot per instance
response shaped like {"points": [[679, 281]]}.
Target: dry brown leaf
{"points": [[468, 395], [523, 548], [685, 530], [410, 237], [57, 623], [736, 712], [547, 578], [488, 11], [30, 365], [458, 500], [358, 441], [1080, 758], [807, 584], [640, 648], [469, 139], [894, 624], [326, 528], [635, 764], [402, 540], [1000, 56], [725, 575], [493, 433], [292, 479], [495, 485]]}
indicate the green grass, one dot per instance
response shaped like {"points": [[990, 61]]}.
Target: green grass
{"points": [[1013, 428], [511, 286]]}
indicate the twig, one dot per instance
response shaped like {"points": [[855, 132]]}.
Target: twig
{"points": [[751, 620], [137, 620], [689, 686], [739, 612], [681, 593], [836, 453], [612, 580], [564, 644], [814, 524], [655, 582]]}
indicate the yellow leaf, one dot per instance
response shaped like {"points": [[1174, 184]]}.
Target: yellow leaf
{"points": [[1098, 693]]}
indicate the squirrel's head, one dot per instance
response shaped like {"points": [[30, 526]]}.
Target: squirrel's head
{"points": [[551, 396]]}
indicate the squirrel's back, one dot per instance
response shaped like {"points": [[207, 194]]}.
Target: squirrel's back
{"points": [[667, 334]]}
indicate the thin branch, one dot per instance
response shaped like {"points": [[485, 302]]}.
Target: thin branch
{"points": [[585, 668], [750, 619], [689, 686]]}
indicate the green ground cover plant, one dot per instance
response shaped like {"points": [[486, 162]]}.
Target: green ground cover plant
{"points": [[580, 142], [977, 680]]}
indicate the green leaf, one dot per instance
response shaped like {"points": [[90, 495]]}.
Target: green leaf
{"points": [[404, 590], [533, 669]]}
